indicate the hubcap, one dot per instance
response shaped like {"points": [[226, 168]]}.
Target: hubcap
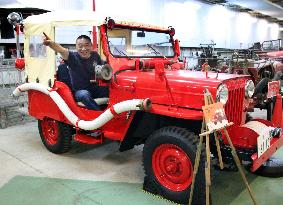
{"points": [[172, 167], [50, 131]]}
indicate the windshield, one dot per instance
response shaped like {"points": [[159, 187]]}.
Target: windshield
{"points": [[139, 43]]}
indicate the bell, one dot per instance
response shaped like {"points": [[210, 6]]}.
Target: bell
{"points": [[15, 18]]}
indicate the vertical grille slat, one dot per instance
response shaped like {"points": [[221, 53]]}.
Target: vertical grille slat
{"points": [[237, 98], [228, 107], [234, 106]]}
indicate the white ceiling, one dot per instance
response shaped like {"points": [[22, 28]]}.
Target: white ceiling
{"points": [[262, 6], [266, 7], [10, 4]]}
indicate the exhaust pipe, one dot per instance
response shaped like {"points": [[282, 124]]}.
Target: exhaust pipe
{"points": [[106, 116]]}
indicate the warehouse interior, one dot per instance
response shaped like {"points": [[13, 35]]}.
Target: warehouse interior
{"points": [[212, 34]]}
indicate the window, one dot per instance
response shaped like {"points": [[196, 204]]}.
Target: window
{"points": [[117, 45], [36, 48], [139, 43]]}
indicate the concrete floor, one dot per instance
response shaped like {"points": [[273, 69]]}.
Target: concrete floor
{"points": [[99, 175], [22, 153]]}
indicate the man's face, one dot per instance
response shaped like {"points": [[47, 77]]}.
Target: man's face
{"points": [[84, 47]]}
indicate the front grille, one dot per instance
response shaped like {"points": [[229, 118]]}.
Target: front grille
{"points": [[234, 106]]}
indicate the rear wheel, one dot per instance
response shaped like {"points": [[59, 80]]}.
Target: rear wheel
{"points": [[168, 159], [56, 136]]}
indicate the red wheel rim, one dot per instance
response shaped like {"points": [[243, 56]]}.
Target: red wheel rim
{"points": [[50, 131], [172, 167]]}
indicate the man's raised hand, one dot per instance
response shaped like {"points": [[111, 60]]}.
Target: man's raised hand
{"points": [[46, 40], [56, 47]]}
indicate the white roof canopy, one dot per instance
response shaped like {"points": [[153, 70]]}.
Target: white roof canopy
{"points": [[67, 17], [78, 17]]}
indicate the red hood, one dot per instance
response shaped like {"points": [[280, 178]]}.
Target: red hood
{"points": [[186, 87], [202, 76]]}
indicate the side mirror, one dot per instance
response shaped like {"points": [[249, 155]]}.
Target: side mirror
{"points": [[177, 47]]}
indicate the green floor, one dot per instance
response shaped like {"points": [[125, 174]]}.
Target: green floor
{"points": [[45, 191], [227, 189]]}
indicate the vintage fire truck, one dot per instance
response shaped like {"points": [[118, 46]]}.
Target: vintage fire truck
{"points": [[153, 101]]}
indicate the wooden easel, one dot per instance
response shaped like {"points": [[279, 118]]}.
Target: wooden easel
{"points": [[205, 132]]}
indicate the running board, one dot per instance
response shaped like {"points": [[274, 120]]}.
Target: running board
{"points": [[86, 139]]}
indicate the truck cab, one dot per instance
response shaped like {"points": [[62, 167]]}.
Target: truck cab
{"points": [[153, 101]]}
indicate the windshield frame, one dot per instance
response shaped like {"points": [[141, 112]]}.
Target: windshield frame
{"points": [[142, 29]]}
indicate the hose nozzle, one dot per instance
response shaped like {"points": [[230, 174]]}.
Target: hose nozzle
{"points": [[145, 105]]}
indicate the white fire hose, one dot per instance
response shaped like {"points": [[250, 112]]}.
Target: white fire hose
{"points": [[107, 115]]}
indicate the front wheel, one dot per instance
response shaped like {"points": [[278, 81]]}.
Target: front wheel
{"points": [[56, 136], [168, 159]]}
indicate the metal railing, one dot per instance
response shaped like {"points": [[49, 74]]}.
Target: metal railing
{"points": [[9, 75], [11, 109], [10, 78]]}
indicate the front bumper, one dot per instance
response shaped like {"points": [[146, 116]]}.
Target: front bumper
{"points": [[246, 136], [275, 144]]}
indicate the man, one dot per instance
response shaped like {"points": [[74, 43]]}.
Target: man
{"points": [[81, 67]]}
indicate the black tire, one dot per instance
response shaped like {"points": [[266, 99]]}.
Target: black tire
{"points": [[185, 143], [56, 136], [272, 168], [262, 86], [227, 158]]}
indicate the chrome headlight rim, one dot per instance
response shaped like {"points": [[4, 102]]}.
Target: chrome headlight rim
{"points": [[249, 89], [222, 94]]}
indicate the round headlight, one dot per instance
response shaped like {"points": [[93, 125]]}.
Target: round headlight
{"points": [[222, 94], [249, 88]]}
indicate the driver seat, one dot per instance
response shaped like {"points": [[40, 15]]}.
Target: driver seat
{"points": [[99, 101], [64, 76]]}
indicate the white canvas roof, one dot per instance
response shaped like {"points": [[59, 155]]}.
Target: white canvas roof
{"points": [[66, 17], [79, 17]]}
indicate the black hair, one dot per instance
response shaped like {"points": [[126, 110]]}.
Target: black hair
{"points": [[85, 37]]}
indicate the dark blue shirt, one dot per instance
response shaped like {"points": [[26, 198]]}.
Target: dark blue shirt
{"points": [[82, 70]]}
